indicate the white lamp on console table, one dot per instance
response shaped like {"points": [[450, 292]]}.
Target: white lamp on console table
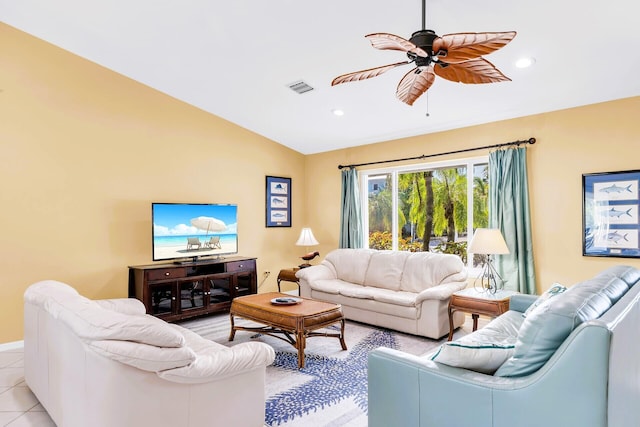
{"points": [[488, 241]]}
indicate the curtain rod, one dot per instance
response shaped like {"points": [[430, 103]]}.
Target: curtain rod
{"points": [[424, 156]]}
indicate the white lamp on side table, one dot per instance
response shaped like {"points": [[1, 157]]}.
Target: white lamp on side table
{"points": [[488, 241], [307, 239]]}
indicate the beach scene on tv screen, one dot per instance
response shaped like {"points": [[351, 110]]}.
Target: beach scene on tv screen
{"points": [[183, 230]]}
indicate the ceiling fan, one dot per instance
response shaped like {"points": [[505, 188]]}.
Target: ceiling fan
{"points": [[456, 57]]}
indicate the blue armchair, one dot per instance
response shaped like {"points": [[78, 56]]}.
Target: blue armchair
{"points": [[592, 379]]}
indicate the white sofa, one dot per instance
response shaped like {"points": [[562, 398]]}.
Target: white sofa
{"points": [[404, 291], [106, 363]]}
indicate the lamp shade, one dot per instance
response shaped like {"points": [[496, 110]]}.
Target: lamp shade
{"points": [[488, 241], [306, 238]]}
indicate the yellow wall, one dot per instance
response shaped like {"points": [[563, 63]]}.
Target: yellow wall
{"points": [[84, 151], [597, 138]]}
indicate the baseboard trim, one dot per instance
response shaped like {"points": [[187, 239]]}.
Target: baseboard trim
{"points": [[16, 345]]}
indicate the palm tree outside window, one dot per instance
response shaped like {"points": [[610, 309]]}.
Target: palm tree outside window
{"points": [[427, 207]]}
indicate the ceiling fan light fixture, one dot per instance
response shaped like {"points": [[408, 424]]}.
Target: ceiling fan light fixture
{"points": [[525, 62], [337, 112], [424, 39]]}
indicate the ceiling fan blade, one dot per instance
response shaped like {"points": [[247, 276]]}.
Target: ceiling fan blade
{"points": [[415, 83], [365, 74], [475, 71], [462, 47], [386, 41]]}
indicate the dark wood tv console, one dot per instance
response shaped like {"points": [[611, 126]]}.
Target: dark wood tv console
{"points": [[175, 292]]}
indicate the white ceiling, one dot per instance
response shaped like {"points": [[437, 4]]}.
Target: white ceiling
{"points": [[235, 59]]}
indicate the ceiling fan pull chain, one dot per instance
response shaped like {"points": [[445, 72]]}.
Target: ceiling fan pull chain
{"points": [[427, 98]]}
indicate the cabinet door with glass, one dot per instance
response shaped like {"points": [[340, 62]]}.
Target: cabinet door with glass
{"points": [[219, 289], [162, 299], [245, 277], [192, 294], [245, 284]]}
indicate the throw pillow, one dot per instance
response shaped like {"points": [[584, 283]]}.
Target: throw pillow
{"points": [[555, 289], [481, 357], [486, 349]]}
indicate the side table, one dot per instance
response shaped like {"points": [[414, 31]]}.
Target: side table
{"points": [[477, 302], [288, 275]]}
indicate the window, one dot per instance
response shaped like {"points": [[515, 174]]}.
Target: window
{"points": [[427, 207]]}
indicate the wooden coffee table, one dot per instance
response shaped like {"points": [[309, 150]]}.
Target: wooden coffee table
{"points": [[290, 323]]}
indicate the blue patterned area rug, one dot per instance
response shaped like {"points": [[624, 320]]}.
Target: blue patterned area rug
{"points": [[332, 383], [331, 390]]}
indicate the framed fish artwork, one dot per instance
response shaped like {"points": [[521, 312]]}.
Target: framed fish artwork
{"points": [[610, 214], [278, 203]]}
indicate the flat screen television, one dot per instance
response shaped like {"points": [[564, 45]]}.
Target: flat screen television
{"points": [[191, 230]]}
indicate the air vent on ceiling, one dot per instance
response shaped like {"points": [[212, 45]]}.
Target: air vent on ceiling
{"points": [[300, 87]]}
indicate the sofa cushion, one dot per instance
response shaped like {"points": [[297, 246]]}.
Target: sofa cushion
{"points": [[628, 275], [350, 264], [123, 305], [143, 356], [407, 299], [40, 292], [91, 322], [357, 291], [554, 290], [197, 343], [385, 269], [423, 270], [546, 327], [615, 288], [330, 286], [215, 361], [484, 350]]}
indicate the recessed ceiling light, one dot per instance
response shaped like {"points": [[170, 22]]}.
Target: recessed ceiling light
{"points": [[525, 62], [337, 112]]}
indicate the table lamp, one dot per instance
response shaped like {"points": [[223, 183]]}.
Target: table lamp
{"points": [[488, 241], [307, 239]]}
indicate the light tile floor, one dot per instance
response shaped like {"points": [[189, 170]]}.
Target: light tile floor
{"points": [[18, 406]]}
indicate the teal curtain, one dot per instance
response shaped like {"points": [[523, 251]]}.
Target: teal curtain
{"points": [[509, 212], [351, 215]]}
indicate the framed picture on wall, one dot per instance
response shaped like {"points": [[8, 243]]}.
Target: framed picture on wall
{"points": [[610, 217], [278, 203]]}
